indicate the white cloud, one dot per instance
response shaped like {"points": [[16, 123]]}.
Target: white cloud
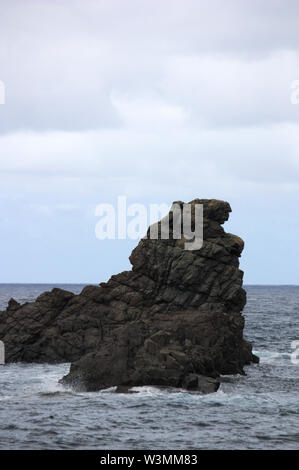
{"points": [[148, 112], [115, 161], [226, 91]]}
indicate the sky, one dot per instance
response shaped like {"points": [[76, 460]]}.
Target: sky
{"points": [[153, 100]]}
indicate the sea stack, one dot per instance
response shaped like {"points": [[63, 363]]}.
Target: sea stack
{"points": [[174, 320]]}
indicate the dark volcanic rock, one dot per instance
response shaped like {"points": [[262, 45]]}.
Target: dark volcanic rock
{"points": [[201, 383], [177, 313]]}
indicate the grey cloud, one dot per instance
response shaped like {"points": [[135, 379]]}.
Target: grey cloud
{"points": [[62, 61]]}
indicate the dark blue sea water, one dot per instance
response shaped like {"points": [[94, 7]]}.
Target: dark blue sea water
{"points": [[259, 411]]}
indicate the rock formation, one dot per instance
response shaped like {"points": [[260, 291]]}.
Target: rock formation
{"points": [[174, 318]]}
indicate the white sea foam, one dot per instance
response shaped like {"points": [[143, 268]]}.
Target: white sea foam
{"points": [[272, 357]]}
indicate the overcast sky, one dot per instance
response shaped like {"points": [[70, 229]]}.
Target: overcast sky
{"points": [[155, 100]]}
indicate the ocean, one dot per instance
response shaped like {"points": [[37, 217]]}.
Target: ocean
{"points": [[259, 411]]}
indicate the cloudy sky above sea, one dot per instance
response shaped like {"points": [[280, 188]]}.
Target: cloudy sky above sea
{"points": [[154, 100]]}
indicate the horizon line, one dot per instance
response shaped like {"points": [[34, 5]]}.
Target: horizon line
{"points": [[97, 283]]}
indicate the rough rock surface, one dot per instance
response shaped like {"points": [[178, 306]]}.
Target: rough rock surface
{"points": [[175, 317]]}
